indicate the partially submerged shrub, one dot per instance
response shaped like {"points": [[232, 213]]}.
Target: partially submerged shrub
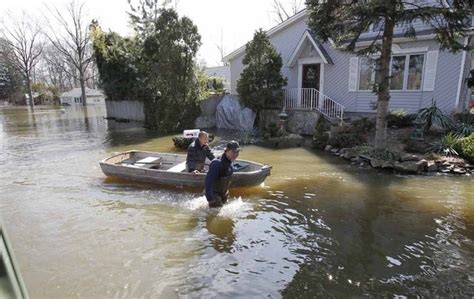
{"points": [[183, 143]]}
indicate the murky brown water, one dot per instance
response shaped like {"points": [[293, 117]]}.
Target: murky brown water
{"points": [[319, 227]]}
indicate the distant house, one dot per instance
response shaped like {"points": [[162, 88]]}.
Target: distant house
{"points": [[74, 97], [321, 77], [220, 72]]}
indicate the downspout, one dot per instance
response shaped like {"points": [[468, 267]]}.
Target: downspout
{"points": [[461, 73]]}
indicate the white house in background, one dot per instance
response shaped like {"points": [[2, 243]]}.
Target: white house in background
{"points": [[221, 72], [323, 78], [74, 97]]}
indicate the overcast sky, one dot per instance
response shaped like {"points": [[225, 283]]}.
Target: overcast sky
{"points": [[232, 21]]}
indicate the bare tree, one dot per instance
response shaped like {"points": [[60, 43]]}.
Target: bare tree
{"points": [[221, 48], [283, 10], [23, 36], [72, 41]]}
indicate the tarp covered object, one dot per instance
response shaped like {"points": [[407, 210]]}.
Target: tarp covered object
{"points": [[230, 115]]}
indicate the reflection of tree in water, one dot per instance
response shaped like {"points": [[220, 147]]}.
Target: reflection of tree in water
{"points": [[222, 232]]}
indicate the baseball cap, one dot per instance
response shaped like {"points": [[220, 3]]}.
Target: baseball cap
{"points": [[233, 145]]}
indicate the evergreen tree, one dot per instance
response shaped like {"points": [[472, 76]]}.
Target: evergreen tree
{"points": [[344, 21], [261, 81]]}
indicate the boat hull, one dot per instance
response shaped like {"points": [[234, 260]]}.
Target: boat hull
{"points": [[113, 166]]}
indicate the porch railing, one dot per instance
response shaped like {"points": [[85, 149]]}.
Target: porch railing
{"points": [[312, 99]]}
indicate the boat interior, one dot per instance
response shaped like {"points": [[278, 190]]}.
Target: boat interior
{"points": [[168, 162]]}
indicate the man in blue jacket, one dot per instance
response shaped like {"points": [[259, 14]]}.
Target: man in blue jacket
{"points": [[198, 150], [218, 178]]}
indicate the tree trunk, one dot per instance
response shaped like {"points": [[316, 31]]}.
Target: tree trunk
{"points": [[383, 84], [30, 93], [83, 88]]}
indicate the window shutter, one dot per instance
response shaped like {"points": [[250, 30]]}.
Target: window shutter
{"points": [[353, 70], [430, 70]]}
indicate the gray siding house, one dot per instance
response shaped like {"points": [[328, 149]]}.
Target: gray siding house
{"points": [[321, 77]]}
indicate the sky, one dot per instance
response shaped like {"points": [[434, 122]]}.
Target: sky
{"points": [[230, 23]]}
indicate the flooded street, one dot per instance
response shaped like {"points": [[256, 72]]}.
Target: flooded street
{"points": [[319, 226]]}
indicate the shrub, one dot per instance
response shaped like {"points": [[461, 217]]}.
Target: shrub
{"points": [[466, 147], [363, 125], [183, 143], [433, 116], [346, 140], [320, 137], [447, 146], [465, 126], [400, 118], [271, 130]]}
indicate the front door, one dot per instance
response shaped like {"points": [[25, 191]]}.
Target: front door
{"points": [[311, 73]]}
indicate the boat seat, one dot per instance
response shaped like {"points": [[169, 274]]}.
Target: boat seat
{"points": [[178, 167], [148, 162]]}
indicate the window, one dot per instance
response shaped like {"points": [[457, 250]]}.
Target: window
{"points": [[415, 68], [406, 72], [398, 69], [366, 74]]}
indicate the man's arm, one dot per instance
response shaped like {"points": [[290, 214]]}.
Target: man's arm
{"points": [[191, 157], [211, 178], [208, 152]]}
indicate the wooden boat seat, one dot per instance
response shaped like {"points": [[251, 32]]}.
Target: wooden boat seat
{"points": [[149, 162], [178, 167]]}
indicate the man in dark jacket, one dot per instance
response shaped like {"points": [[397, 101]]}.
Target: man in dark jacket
{"points": [[198, 150], [218, 178]]}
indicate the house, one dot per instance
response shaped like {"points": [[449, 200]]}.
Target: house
{"points": [[321, 77], [74, 97], [220, 72]]}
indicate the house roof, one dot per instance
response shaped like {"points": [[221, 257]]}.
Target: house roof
{"points": [[300, 15], [308, 35], [76, 92]]}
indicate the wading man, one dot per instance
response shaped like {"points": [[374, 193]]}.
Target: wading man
{"points": [[218, 178]]}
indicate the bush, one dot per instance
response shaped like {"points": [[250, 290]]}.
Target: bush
{"points": [[271, 130], [433, 116], [447, 146], [183, 143], [320, 137], [346, 140], [400, 118], [466, 148], [465, 125], [363, 125]]}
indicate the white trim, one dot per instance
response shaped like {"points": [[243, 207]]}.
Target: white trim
{"points": [[397, 50], [461, 72], [298, 49], [311, 60], [269, 33]]}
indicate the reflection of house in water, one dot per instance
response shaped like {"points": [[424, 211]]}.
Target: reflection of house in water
{"points": [[11, 284], [74, 97]]}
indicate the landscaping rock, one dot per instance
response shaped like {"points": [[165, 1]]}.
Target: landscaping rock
{"points": [[431, 166], [410, 166], [376, 163], [334, 150], [388, 165], [350, 153], [458, 170], [409, 157], [328, 148], [291, 140]]}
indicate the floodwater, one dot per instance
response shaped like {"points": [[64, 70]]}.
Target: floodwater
{"points": [[317, 228]]}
